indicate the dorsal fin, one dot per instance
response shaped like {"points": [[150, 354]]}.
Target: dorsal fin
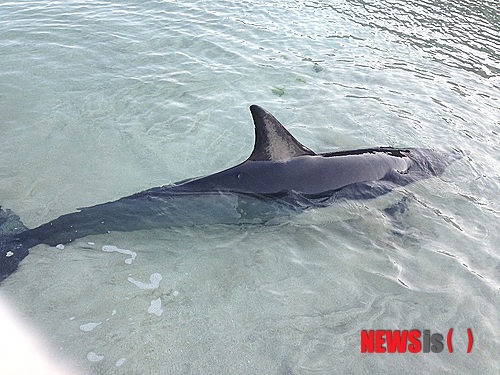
{"points": [[272, 141]]}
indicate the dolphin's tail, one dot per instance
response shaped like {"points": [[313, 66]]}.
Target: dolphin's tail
{"points": [[12, 251]]}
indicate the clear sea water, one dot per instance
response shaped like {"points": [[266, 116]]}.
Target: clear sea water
{"points": [[101, 99]]}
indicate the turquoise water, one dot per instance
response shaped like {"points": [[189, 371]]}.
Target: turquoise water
{"points": [[99, 100]]}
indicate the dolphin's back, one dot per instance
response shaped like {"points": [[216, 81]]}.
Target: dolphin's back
{"points": [[357, 174], [308, 175]]}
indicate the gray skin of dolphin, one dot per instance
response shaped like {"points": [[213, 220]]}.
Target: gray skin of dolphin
{"points": [[281, 175]]}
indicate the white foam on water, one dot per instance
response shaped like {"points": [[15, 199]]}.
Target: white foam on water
{"points": [[154, 279], [114, 249], [155, 307], [120, 362], [93, 357], [89, 326]]}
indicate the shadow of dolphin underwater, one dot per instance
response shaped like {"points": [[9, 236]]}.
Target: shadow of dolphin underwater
{"points": [[280, 177]]}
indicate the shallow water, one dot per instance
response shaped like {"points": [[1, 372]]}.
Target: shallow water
{"points": [[99, 100]]}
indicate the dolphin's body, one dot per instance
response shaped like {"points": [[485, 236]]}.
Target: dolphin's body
{"points": [[280, 170]]}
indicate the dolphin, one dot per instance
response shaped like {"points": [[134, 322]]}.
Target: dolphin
{"points": [[281, 176]]}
